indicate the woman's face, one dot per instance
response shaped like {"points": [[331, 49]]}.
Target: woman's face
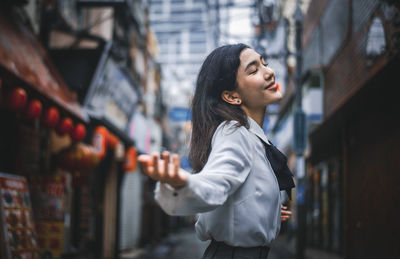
{"points": [[256, 82]]}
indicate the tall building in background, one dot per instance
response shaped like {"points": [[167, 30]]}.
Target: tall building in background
{"points": [[181, 30]]}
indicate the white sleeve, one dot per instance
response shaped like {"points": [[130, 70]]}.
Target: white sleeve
{"points": [[227, 167]]}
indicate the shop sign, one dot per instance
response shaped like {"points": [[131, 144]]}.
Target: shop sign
{"points": [[180, 114], [299, 134], [16, 219], [114, 97], [130, 159], [49, 202]]}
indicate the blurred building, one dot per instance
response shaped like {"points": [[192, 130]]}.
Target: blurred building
{"points": [[93, 63], [181, 30], [350, 58]]}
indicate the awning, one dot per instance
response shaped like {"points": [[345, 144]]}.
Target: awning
{"points": [[23, 58]]}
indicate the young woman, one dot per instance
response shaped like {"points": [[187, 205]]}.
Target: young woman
{"points": [[238, 174]]}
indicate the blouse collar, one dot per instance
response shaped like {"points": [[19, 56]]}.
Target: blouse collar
{"points": [[257, 130]]}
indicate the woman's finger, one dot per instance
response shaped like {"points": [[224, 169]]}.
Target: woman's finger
{"points": [[145, 162], [286, 212], [171, 172], [162, 170], [284, 218], [176, 162], [144, 158], [165, 157], [155, 164], [159, 168]]}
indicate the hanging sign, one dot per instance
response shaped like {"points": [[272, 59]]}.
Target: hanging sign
{"points": [[130, 159], [100, 141], [49, 202], [113, 96], [17, 230], [180, 114], [300, 135]]}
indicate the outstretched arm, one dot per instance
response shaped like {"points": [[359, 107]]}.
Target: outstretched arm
{"points": [[180, 193]]}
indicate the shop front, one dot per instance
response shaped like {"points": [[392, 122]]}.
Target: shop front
{"points": [[63, 150], [39, 117], [353, 173], [109, 95]]}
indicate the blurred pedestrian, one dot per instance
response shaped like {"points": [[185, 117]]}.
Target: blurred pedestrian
{"points": [[238, 173]]}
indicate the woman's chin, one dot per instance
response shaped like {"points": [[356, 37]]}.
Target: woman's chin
{"points": [[275, 98]]}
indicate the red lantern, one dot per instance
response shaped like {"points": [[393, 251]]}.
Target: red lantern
{"points": [[34, 109], [17, 99], [79, 132], [51, 117], [64, 126]]}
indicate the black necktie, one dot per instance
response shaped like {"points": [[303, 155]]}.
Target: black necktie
{"points": [[278, 163]]}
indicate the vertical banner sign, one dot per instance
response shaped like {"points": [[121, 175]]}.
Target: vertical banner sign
{"points": [[130, 159], [49, 200], [17, 236], [300, 135]]}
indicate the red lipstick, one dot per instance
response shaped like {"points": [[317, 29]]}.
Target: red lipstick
{"points": [[275, 87]]}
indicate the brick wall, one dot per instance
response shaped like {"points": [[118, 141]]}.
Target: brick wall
{"points": [[349, 68], [313, 18]]}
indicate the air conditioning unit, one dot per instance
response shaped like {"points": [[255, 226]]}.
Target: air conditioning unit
{"points": [[313, 96]]}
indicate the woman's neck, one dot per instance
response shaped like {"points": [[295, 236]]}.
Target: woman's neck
{"points": [[257, 115]]}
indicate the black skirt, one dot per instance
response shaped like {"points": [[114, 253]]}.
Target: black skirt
{"points": [[220, 250]]}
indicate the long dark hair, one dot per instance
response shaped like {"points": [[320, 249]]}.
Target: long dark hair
{"points": [[217, 74]]}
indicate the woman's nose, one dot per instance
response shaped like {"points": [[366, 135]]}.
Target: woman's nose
{"points": [[269, 73]]}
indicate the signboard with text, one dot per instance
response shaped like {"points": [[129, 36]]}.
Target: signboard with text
{"points": [[49, 200], [17, 236], [180, 114], [113, 96]]}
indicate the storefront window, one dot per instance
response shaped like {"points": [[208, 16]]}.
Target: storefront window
{"points": [[325, 203]]}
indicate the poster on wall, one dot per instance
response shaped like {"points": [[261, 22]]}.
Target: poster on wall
{"points": [[50, 208], [18, 236]]}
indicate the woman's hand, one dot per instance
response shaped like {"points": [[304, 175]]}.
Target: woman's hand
{"points": [[285, 214], [163, 170]]}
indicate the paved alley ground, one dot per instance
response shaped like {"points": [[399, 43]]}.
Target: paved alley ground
{"points": [[185, 245]]}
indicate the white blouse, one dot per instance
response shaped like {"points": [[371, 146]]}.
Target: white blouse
{"points": [[236, 193]]}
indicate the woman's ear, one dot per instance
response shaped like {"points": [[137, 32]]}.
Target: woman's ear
{"points": [[231, 97]]}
